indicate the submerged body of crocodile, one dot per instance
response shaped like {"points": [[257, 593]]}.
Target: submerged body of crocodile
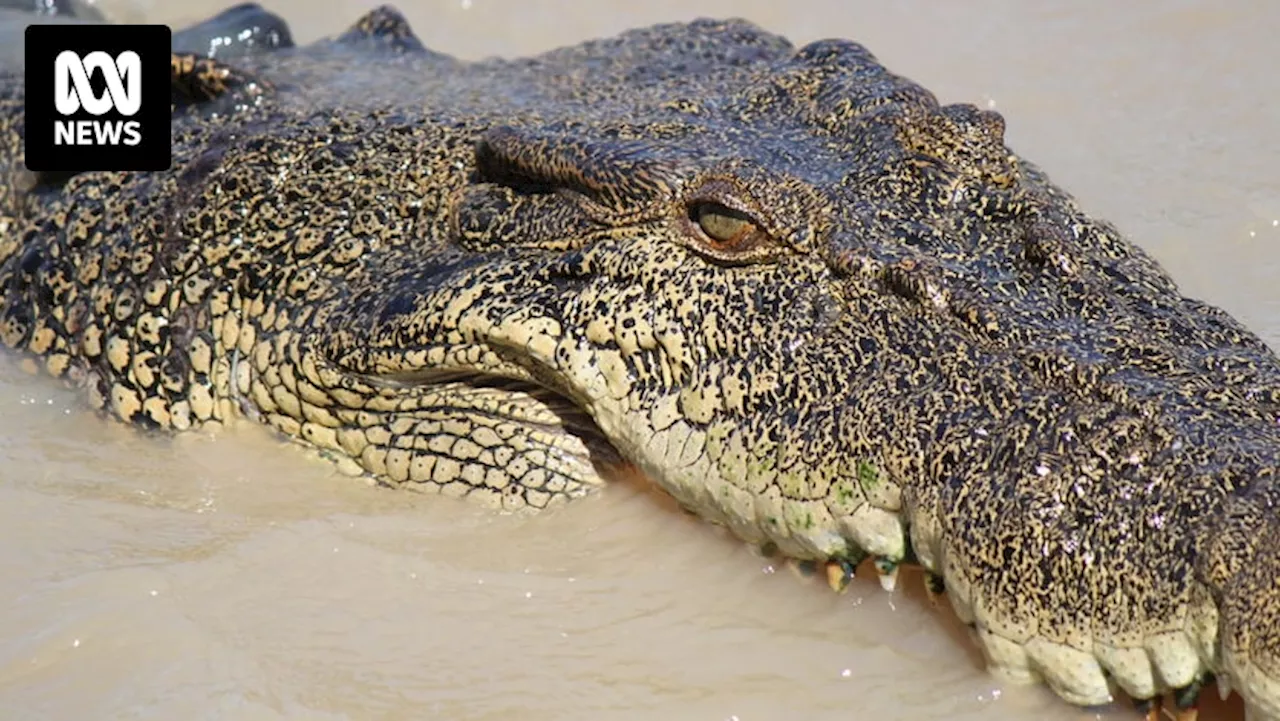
{"points": [[808, 301]]}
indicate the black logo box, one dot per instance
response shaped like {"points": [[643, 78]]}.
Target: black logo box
{"points": [[49, 151]]}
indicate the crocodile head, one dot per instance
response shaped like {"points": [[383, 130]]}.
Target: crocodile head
{"points": [[795, 291]]}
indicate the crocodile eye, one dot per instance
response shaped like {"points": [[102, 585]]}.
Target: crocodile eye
{"points": [[727, 230]]}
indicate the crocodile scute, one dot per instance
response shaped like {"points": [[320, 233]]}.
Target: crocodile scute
{"points": [[810, 302]]}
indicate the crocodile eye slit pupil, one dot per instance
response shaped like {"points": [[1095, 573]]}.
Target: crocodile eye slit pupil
{"points": [[726, 229]]}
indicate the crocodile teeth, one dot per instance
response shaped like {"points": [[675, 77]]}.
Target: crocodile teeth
{"points": [[802, 568], [839, 574], [934, 587], [1188, 696], [1149, 707], [1224, 686], [887, 570]]}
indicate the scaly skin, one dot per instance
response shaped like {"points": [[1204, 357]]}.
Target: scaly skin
{"points": [[809, 302]]}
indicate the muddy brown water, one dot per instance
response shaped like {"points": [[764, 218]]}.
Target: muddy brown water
{"points": [[229, 576]]}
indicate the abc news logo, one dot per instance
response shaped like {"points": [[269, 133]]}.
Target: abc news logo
{"points": [[97, 97], [72, 92]]}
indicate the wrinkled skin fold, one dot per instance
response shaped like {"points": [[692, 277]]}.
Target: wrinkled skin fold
{"points": [[811, 303]]}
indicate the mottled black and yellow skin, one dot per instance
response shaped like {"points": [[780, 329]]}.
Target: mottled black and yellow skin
{"points": [[804, 298]]}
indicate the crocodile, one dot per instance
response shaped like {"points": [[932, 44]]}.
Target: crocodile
{"points": [[786, 285]]}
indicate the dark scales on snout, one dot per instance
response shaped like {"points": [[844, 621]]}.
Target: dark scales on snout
{"points": [[807, 300]]}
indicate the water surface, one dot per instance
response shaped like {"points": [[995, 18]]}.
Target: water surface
{"points": [[231, 577]]}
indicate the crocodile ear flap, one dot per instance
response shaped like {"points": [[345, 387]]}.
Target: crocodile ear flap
{"points": [[617, 177], [488, 217]]}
